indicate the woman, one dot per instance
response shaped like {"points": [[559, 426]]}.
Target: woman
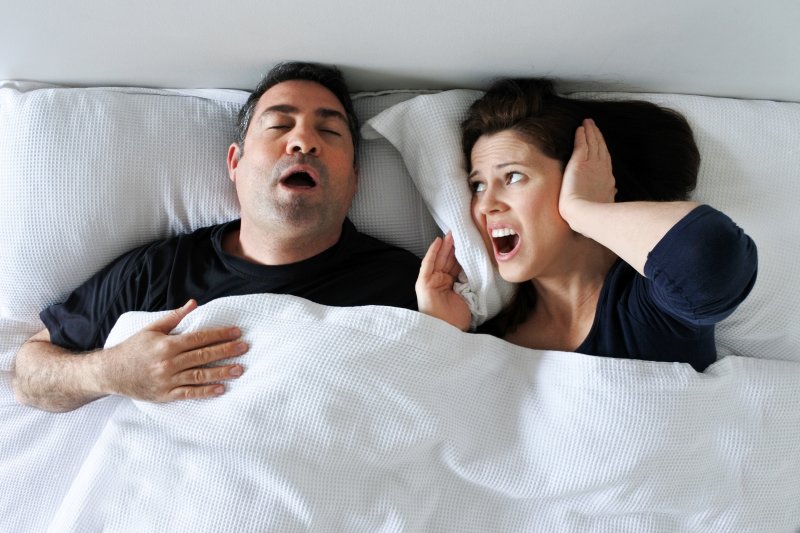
{"points": [[615, 264]]}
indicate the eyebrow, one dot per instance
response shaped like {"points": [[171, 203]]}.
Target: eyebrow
{"points": [[286, 109], [496, 167]]}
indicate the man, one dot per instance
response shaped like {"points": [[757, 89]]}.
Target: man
{"points": [[294, 168]]}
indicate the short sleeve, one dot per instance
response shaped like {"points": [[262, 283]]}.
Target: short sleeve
{"points": [[703, 268], [83, 321]]}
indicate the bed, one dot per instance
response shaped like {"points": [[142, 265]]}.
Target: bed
{"points": [[374, 418]]}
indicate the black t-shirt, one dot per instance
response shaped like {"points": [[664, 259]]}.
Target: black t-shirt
{"points": [[358, 270], [697, 275]]}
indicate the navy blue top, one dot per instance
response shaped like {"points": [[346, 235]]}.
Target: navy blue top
{"points": [[358, 270], [697, 275]]}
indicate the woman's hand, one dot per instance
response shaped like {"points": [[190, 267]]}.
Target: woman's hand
{"points": [[434, 287], [588, 176], [586, 202]]}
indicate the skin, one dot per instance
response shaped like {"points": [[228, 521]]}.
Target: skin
{"points": [[297, 125], [570, 233]]}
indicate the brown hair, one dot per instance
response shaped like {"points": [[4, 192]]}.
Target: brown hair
{"points": [[652, 148]]}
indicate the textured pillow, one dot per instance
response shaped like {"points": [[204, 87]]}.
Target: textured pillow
{"points": [[87, 174], [748, 170], [425, 130]]}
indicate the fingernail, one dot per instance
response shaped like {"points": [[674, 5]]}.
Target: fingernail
{"points": [[241, 347], [236, 371], [235, 332], [219, 390]]}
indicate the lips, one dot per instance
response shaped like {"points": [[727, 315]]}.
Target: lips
{"points": [[299, 177], [505, 242]]}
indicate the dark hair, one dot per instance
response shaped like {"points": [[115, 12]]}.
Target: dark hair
{"points": [[653, 152], [652, 148], [329, 77]]}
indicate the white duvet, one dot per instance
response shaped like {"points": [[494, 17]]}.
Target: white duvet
{"points": [[377, 419]]}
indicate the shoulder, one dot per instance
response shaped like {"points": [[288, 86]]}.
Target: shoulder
{"points": [[157, 255], [705, 237], [703, 268]]}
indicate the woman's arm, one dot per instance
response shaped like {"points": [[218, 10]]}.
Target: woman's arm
{"points": [[629, 229]]}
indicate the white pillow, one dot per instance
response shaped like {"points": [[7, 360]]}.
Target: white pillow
{"points": [[749, 170], [426, 131], [89, 173]]}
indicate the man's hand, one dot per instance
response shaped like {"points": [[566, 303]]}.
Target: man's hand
{"points": [[151, 365], [155, 366], [434, 287]]}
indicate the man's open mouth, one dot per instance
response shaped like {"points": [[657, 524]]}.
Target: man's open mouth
{"points": [[299, 180]]}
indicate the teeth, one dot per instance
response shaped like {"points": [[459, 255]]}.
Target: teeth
{"points": [[503, 232]]}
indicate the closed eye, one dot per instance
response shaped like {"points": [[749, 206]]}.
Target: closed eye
{"points": [[332, 132]]}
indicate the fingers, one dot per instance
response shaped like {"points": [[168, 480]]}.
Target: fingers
{"points": [[440, 257], [447, 254], [427, 267], [207, 376], [451, 265], [595, 142], [580, 151], [208, 354], [193, 380], [195, 393], [171, 320], [193, 340]]}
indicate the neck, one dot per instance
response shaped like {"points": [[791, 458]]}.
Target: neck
{"points": [[574, 291], [276, 247]]}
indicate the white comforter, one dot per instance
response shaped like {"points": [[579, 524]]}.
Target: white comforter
{"points": [[379, 419]]}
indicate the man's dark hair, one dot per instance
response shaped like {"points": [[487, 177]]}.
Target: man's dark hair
{"points": [[328, 76]]}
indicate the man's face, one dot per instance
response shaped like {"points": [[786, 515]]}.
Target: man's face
{"points": [[295, 176]]}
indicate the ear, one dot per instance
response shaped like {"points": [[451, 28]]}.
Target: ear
{"points": [[234, 154]]}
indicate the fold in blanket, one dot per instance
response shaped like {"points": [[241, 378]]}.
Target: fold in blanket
{"points": [[381, 419]]}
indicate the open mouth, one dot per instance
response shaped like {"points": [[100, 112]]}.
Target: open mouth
{"points": [[299, 180], [504, 240]]}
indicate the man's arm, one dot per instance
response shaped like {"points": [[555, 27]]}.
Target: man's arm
{"points": [[151, 365]]}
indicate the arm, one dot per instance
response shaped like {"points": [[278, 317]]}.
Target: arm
{"points": [[151, 365], [629, 229], [434, 287]]}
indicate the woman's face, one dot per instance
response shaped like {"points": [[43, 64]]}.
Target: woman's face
{"points": [[515, 190]]}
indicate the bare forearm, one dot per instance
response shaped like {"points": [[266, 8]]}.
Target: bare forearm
{"points": [[53, 379], [629, 229], [151, 365]]}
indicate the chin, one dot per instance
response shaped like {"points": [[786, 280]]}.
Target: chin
{"points": [[511, 275]]}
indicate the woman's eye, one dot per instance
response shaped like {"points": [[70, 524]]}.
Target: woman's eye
{"points": [[477, 186], [514, 177], [332, 132]]}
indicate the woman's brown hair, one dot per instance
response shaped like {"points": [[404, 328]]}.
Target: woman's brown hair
{"points": [[653, 152]]}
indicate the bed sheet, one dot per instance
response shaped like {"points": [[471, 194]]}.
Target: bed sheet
{"points": [[382, 419]]}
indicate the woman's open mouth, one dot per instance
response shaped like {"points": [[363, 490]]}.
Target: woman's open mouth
{"points": [[505, 242]]}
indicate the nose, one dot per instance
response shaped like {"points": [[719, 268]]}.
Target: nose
{"points": [[489, 202], [303, 140]]}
